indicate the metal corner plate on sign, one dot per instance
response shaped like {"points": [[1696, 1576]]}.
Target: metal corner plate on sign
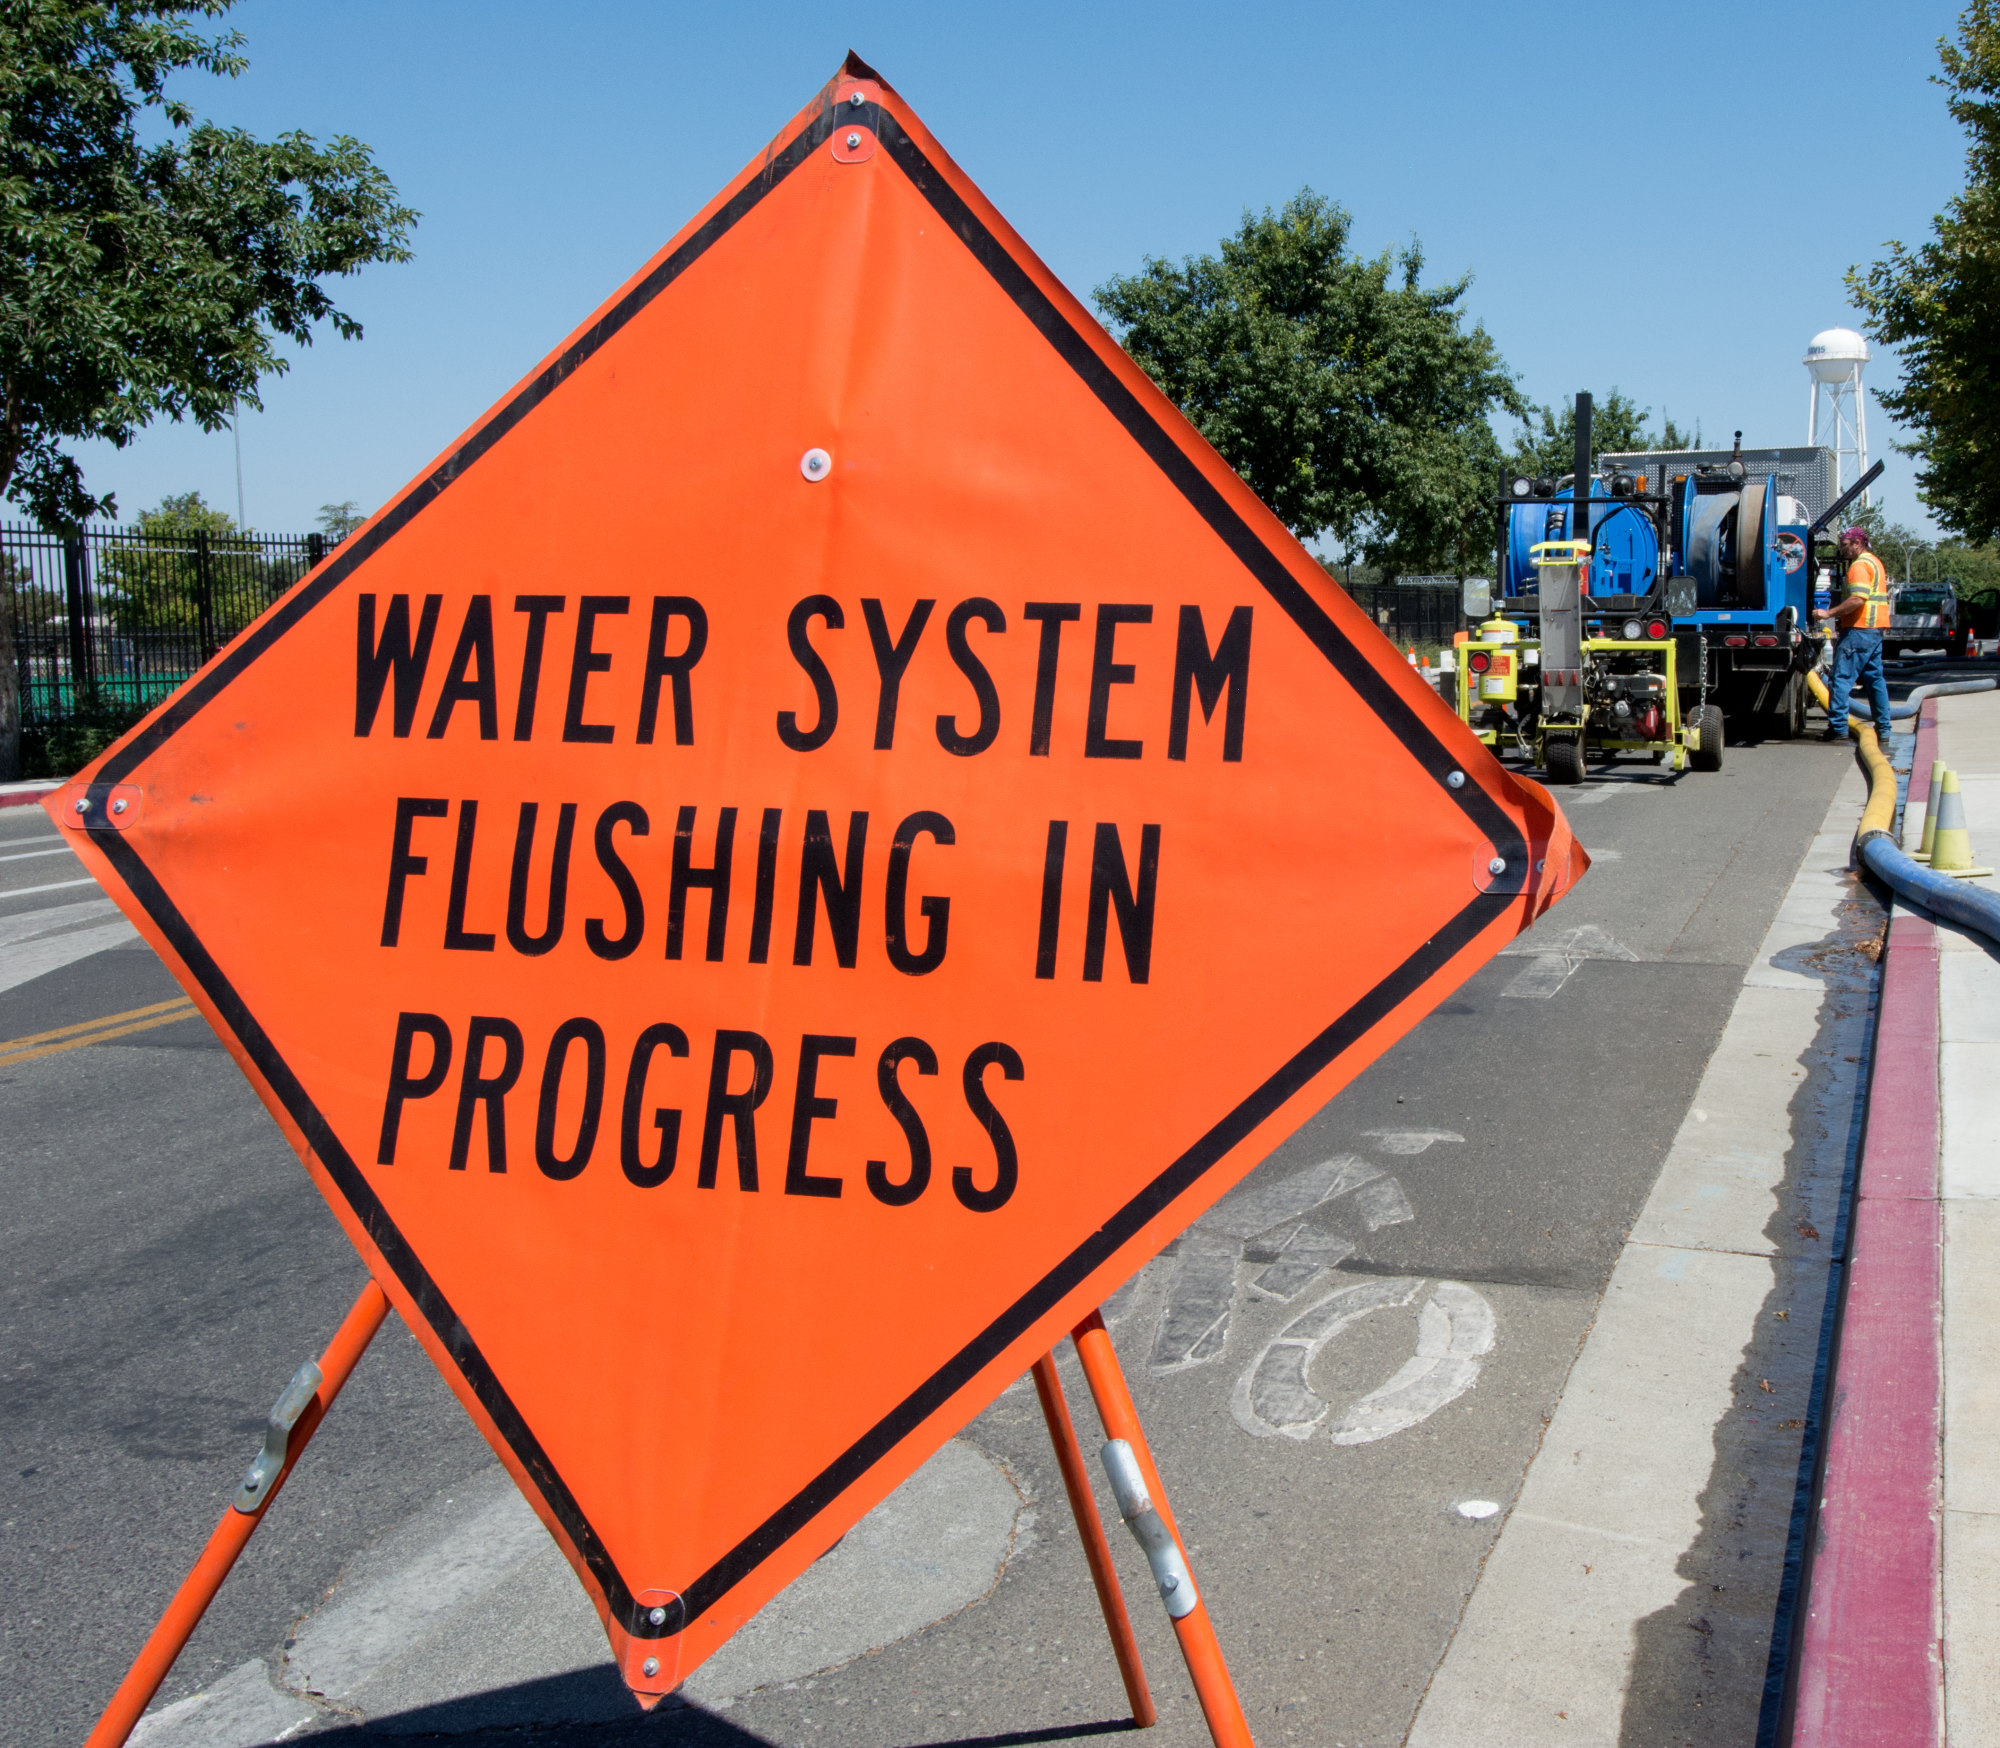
{"points": [[651, 1665], [104, 807], [853, 121], [1505, 875]]}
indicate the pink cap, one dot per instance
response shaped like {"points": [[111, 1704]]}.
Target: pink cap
{"points": [[1854, 533]]}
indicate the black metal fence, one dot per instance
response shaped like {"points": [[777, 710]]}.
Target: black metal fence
{"points": [[1413, 612], [117, 617]]}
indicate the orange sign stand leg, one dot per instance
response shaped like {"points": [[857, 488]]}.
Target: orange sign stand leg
{"points": [[282, 1446], [1096, 1549], [1196, 1632]]}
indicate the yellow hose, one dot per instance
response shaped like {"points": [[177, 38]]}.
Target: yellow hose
{"points": [[1818, 688], [1819, 692], [1880, 813]]}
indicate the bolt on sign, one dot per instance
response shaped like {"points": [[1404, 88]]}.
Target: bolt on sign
{"points": [[818, 836]]}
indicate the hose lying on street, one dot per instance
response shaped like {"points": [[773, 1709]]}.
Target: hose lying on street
{"points": [[1957, 901], [1858, 709]]}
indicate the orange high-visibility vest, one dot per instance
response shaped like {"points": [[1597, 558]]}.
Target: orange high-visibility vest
{"points": [[1867, 580]]}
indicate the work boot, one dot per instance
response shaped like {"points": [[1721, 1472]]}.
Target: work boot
{"points": [[1832, 733]]}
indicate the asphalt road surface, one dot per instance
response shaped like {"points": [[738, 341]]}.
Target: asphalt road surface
{"points": [[167, 1266]]}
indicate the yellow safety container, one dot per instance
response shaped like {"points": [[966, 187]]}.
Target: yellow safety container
{"points": [[1493, 665]]}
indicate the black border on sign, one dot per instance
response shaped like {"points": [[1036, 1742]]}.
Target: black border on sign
{"points": [[1175, 1180]]}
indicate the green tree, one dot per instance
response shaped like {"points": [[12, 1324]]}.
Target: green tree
{"points": [[338, 521], [1972, 568], [1547, 445], [152, 580], [1940, 303], [140, 280], [1903, 551], [1351, 398]]}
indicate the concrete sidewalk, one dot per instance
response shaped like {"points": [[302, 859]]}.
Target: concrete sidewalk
{"points": [[1968, 741]]}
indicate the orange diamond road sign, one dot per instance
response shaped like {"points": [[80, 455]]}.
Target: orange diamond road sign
{"points": [[825, 829]]}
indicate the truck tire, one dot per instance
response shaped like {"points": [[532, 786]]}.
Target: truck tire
{"points": [[1565, 760], [1788, 721], [1709, 725]]}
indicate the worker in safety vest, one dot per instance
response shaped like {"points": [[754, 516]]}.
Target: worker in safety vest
{"points": [[1859, 618]]}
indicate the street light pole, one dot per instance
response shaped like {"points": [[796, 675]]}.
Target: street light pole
{"points": [[236, 431]]}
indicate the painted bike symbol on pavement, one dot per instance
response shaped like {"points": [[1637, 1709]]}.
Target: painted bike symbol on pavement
{"points": [[1269, 1225]]}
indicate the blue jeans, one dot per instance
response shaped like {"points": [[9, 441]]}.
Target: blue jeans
{"points": [[1857, 666]]}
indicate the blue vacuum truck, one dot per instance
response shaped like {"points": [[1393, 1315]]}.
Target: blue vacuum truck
{"points": [[1575, 657], [1653, 597], [1751, 534]]}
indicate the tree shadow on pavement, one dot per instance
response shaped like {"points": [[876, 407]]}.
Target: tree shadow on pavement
{"points": [[1711, 1665]]}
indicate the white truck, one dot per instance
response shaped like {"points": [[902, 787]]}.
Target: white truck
{"points": [[1921, 616]]}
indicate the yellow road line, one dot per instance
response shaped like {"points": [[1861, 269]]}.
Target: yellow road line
{"points": [[158, 1007], [181, 1010]]}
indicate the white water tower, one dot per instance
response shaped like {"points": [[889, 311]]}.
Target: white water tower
{"points": [[1838, 417]]}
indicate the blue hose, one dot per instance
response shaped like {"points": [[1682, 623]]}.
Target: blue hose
{"points": [[1860, 710], [1957, 901]]}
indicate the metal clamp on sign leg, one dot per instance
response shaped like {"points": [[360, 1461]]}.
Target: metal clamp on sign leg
{"points": [[1150, 1530], [269, 1463]]}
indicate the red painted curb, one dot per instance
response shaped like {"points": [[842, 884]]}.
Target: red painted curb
{"points": [[27, 797], [1871, 1666], [1900, 1157]]}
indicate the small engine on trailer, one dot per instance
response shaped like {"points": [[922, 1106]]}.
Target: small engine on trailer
{"points": [[1627, 696], [1579, 659]]}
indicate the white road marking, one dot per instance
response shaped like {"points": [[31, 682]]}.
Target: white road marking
{"points": [[1383, 1203], [32, 959], [1454, 1332], [1255, 1206], [1408, 1141], [1300, 1257], [1455, 1329], [1584, 941], [1605, 855], [53, 886], [1263, 1223], [1272, 1398], [1194, 1322], [30, 924], [1541, 979], [29, 855], [1556, 959]]}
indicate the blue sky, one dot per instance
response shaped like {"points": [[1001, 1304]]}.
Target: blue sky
{"points": [[1644, 202]]}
